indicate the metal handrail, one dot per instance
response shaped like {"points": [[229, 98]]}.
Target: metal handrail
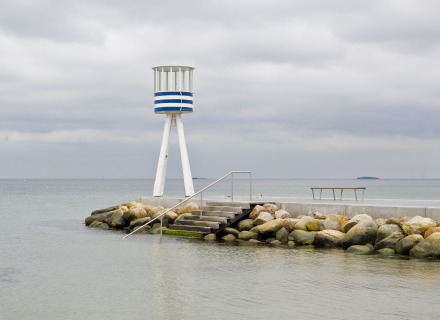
{"points": [[201, 199]]}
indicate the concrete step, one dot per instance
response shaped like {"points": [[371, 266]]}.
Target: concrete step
{"points": [[222, 208], [244, 205], [190, 228], [207, 218], [211, 224], [229, 215]]}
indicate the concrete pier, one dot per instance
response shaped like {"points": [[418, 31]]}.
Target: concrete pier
{"points": [[378, 208]]}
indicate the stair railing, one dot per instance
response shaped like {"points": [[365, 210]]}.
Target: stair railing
{"points": [[201, 199]]}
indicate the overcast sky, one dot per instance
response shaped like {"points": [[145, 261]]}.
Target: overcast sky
{"points": [[286, 89]]}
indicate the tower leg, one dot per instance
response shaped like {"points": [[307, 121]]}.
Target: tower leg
{"points": [[163, 158], [187, 177]]}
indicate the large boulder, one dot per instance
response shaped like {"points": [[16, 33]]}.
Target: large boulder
{"points": [[245, 225], [302, 223], [393, 221], [269, 228], [418, 225], [155, 211], [290, 224], [229, 238], [342, 220], [139, 222], [147, 207], [329, 238], [270, 207], [380, 222], [112, 208], [329, 225], [135, 212], [360, 249], [130, 204], [319, 215], [390, 241], [303, 237], [232, 231], [262, 218], [313, 224], [430, 247], [247, 235], [282, 235], [282, 214], [210, 237], [256, 212], [190, 207], [405, 245], [169, 218], [116, 219], [386, 230], [354, 221], [386, 251], [431, 231], [362, 233]]}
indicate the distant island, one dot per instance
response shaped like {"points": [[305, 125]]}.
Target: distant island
{"points": [[367, 178]]}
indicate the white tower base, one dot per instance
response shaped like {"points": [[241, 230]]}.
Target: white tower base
{"points": [[173, 119]]}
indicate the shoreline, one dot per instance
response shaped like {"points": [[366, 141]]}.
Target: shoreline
{"points": [[283, 224]]}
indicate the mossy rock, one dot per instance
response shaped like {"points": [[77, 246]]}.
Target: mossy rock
{"points": [[183, 233]]}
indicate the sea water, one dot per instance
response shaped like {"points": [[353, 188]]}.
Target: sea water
{"points": [[53, 267]]}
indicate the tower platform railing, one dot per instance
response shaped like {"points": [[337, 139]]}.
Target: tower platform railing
{"points": [[201, 199]]}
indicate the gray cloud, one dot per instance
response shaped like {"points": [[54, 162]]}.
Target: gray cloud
{"points": [[278, 85]]}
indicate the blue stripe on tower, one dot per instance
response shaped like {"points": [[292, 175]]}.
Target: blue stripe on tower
{"points": [[159, 109], [174, 93], [173, 101]]}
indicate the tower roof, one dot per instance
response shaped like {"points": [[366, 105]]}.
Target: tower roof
{"points": [[173, 68]]}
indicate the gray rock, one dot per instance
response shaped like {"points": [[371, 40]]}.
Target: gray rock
{"points": [[139, 222], [319, 215], [329, 238], [430, 247], [245, 225], [116, 220], [112, 208], [302, 223], [406, 244], [229, 238], [232, 231], [262, 218], [282, 214], [386, 251], [291, 244], [290, 224], [390, 241], [418, 225], [247, 235], [304, 237], [361, 249], [269, 228], [210, 237], [256, 212], [282, 235], [386, 230], [329, 225], [362, 233], [146, 229], [354, 221], [380, 222], [276, 243]]}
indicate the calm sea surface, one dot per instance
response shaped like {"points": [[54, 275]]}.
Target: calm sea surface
{"points": [[53, 267]]}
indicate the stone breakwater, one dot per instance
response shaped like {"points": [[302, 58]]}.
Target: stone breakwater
{"points": [[267, 225]]}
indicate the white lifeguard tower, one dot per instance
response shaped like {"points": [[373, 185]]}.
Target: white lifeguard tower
{"points": [[173, 95]]}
